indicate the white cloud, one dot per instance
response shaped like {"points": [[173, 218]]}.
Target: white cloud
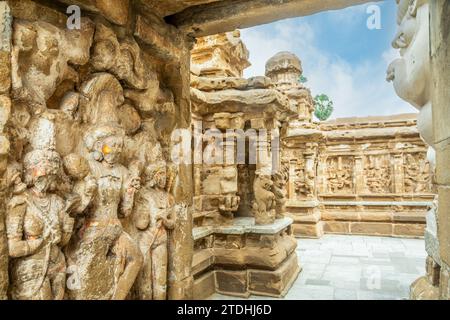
{"points": [[356, 89]]}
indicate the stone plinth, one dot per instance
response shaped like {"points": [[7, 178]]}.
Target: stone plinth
{"points": [[244, 259]]}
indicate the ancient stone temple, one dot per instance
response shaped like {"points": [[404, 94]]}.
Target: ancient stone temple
{"points": [[136, 161], [243, 240]]}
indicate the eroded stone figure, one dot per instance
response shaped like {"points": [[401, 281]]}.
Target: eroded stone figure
{"points": [[153, 218], [417, 173], [339, 176], [49, 54], [265, 200], [107, 259], [280, 180], [39, 224], [378, 177]]}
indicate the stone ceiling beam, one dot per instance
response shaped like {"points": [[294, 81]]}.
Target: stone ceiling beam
{"points": [[165, 8], [227, 15]]}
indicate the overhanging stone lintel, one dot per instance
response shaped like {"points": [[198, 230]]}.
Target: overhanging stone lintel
{"points": [[223, 16]]}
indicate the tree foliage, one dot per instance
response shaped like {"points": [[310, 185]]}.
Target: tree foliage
{"points": [[323, 107], [302, 79]]}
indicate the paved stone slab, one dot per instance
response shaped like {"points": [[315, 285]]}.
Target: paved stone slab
{"points": [[356, 267]]}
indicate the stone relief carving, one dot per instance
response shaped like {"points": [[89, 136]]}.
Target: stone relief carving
{"points": [[304, 180], [75, 211], [39, 223], [154, 217], [104, 255], [340, 174], [280, 180], [122, 59], [377, 174], [417, 173], [49, 54], [265, 200]]}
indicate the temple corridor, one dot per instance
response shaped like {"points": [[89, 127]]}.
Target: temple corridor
{"points": [[343, 267]]}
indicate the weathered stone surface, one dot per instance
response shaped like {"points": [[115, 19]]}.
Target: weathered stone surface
{"points": [[33, 11], [215, 84], [152, 32], [421, 289], [70, 126], [117, 13], [221, 55], [221, 16], [409, 230], [257, 100], [373, 228], [351, 164], [204, 286]]}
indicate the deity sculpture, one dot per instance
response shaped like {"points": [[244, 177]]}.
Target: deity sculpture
{"points": [[377, 176], [39, 224], [153, 218], [417, 174], [304, 182], [339, 176], [279, 189], [411, 73], [106, 257], [265, 200]]}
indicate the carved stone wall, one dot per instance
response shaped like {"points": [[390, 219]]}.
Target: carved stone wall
{"points": [[91, 195]]}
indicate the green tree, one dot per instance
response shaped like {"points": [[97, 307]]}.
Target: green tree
{"points": [[323, 107], [302, 79]]}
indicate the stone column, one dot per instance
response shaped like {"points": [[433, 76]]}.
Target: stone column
{"points": [[322, 186], [359, 175], [5, 109], [399, 174], [440, 64], [291, 182], [181, 243]]}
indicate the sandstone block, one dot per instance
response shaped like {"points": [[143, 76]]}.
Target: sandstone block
{"points": [[204, 286], [338, 227], [232, 283], [371, 228], [409, 230]]}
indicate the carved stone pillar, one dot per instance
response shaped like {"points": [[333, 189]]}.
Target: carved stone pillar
{"points": [[399, 174], [359, 175]]}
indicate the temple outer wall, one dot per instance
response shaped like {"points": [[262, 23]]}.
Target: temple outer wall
{"points": [[371, 177]]}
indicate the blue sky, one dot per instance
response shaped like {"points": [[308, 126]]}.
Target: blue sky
{"points": [[340, 55]]}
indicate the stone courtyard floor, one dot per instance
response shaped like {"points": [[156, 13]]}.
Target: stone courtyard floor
{"points": [[342, 267]]}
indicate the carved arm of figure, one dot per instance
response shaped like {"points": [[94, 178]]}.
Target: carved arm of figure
{"points": [[127, 204], [169, 219], [167, 216], [85, 189], [72, 204], [14, 224]]}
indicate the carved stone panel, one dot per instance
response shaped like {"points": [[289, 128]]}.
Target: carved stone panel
{"points": [[340, 174]]}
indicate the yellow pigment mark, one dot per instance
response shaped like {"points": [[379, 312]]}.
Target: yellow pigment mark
{"points": [[106, 149]]}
